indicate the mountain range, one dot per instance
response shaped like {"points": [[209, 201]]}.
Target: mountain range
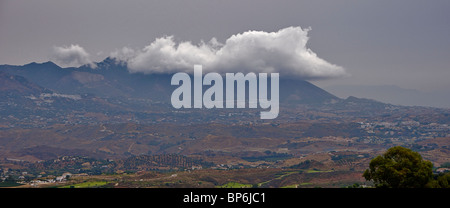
{"points": [[112, 79], [110, 93]]}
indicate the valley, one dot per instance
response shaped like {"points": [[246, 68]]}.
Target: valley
{"points": [[105, 127]]}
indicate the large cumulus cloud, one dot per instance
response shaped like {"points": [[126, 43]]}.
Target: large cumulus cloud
{"points": [[284, 51]]}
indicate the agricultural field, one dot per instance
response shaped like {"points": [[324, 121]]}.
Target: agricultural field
{"points": [[90, 184], [239, 178]]}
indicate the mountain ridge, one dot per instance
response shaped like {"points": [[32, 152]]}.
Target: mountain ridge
{"points": [[111, 78]]}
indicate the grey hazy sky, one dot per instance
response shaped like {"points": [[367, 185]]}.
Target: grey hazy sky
{"points": [[379, 42]]}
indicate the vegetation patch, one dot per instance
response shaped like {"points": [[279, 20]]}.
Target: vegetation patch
{"points": [[318, 171], [235, 185], [88, 184], [9, 183]]}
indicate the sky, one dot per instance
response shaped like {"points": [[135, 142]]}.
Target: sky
{"points": [[342, 44]]}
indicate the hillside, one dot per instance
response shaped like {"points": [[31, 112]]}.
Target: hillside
{"points": [[106, 120]]}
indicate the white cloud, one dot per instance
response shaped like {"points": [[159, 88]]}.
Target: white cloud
{"points": [[164, 55], [283, 51], [123, 54], [71, 56]]}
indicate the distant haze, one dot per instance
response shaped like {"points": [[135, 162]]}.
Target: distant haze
{"points": [[393, 95]]}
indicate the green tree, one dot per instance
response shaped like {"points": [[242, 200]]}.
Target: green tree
{"points": [[440, 181], [399, 167]]}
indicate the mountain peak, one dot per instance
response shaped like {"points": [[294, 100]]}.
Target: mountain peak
{"points": [[109, 63], [49, 63], [43, 64]]}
